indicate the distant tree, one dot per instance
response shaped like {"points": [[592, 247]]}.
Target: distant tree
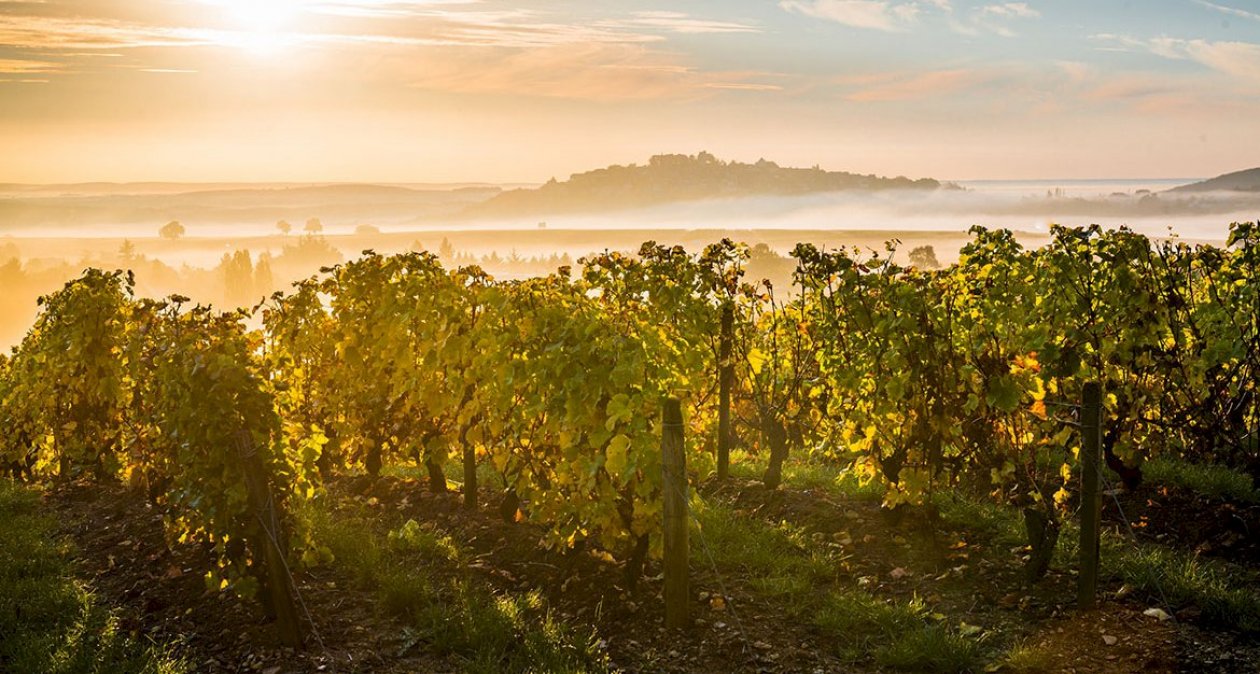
{"points": [[264, 281], [446, 252], [171, 230], [9, 251], [308, 252], [12, 274], [924, 257], [367, 230], [284, 227], [127, 253], [238, 278], [313, 226]]}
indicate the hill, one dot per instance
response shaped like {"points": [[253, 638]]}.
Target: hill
{"points": [[675, 177], [1238, 181]]}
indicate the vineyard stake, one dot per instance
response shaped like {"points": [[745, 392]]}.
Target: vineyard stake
{"points": [[674, 472], [726, 376], [260, 501], [1091, 499]]}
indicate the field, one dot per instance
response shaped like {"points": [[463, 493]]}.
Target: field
{"points": [[404, 464]]}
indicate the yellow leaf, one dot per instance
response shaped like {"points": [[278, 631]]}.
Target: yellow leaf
{"points": [[756, 359], [616, 460]]}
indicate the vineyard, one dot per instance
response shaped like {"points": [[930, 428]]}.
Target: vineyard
{"points": [[867, 452]]}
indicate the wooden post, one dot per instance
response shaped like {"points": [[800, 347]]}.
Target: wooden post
{"points": [[674, 484], [470, 474], [279, 590], [1091, 501], [726, 377]]}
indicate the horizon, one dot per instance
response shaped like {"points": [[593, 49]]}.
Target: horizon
{"points": [[460, 91], [536, 183]]}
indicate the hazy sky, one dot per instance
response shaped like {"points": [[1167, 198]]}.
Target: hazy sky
{"points": [[463, 90]]}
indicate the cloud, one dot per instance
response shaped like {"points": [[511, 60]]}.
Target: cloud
{"points": [[455, 45], [24, 66], [912, 86], [51, 33], [1011, 10], [678, 22], [1229, 10], [872, 14], [1039, 89], [599, 72], [993, 19], [428, 22], [742, 86], [1239, 61]]}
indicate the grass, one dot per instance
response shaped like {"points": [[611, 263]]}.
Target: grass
{"points": [[783, 564], [1179, 577], [1002, 526], [50, 622], [418, 575], [1183, 579], [1030, 658], [805, 472], [1214, 482]]}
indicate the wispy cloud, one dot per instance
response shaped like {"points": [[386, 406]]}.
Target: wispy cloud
{"points": [[1238, 60], [902, 15], [679, 22], [913, 86], [994, 18], [1242, 13], [465, 46], [24, 67], [1011, 10], [606, 72], [742, 86], [871, 14], [55, 33]]}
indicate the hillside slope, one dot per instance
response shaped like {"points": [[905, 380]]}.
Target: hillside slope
{"points": [[1238, 181], [675, 178]]}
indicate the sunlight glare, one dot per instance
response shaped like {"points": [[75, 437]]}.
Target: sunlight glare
{"points": [[265, 25]]}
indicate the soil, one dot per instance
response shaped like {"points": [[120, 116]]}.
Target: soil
{"points": [[1180, 518], [122, 551], [158, 587]]}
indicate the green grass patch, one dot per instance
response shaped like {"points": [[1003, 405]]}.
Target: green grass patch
{"points": [[1029, 659], [783, 564], [450, 612], [1000, 525], [1214, 482], [1183, 579], [931, 648], [780, 560], [805, 472], [1156, 571], [50, 622]]}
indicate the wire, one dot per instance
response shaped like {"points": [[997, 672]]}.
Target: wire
{"points": [[1111, 490], [332, 663], [247, 450], [704, 543]]}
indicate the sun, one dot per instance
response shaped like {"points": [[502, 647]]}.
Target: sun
{"points": [[262, 26]]}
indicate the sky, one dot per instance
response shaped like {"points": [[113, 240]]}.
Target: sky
{"points": [[483, 90]]}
